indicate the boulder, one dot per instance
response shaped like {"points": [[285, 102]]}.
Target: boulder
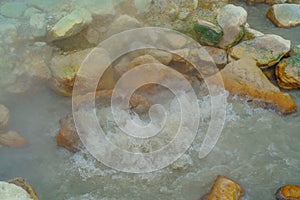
{"points": [[4, 117], [13, 139], [267, 50], [232, 20], [251, 34], [285, 15], [225, 189], [244, 78], [288, 72], [26, 186], [208, 33], [13, 9], [70, 25], [288, 192]]}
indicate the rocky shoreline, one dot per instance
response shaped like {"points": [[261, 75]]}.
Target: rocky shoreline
{"points": [[58, 37]]}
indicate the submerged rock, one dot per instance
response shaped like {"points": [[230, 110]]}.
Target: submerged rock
{"points": [[244, 78], [288, 192], [285, 15], [208, 33], [123, 23], [38, 25], [288, 72], [225, 189], [70, 25], [4, 117], [267, 50], [13, 139], [26, 186], [232, 20], [67, 136], [13, 9]]}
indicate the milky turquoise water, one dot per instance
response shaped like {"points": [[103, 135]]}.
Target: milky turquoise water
{"points": [[258, 148]]}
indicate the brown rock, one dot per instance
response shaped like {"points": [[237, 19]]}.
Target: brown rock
{"points": [[67, 136], [288, 192], [13, 139], [244, 78], [218, 55], [26, 186], [225, 189], [284, 15]]}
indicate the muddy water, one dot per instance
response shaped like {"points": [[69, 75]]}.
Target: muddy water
{"points": [[258, 148]]}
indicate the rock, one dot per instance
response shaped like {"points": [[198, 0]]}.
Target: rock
{"points": [[70, 25], [67, 136], [232, 20], [64, 70], [123, 23], [38, 24], [4, 117], [251, 34], [26, 186], [225, 189], [13, 139], [267, 50], [142, 5], [218, 55], [46, 6], [8, 32], [208, 33], [288, 192], [141, 60], [244, 78], [13, 9], [285, 15], [12, 191], [288, 72], [95, 7], [162, 56], [31, 11]]}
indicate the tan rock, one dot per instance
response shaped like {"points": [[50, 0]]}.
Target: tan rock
{"points": [[123, 23], [4, 117], [244, 78], [218, 55], [13, 139], [288, 192], [70, 25], [225, 189], [26, 186]]}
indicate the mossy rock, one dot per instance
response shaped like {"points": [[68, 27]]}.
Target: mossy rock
{"points": [[208, 33]]}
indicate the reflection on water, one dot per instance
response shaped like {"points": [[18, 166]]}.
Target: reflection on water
{"points": [[258, 148]]}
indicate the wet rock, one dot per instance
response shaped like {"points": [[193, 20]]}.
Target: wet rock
{"points": [[26, 186], [4, 117], [38, 25], [244, 78], [31, 11], [142, 5], [225, 189], [13, 9], [70, 25], [123, 23], [267, 50], [218, 55], [285, 15], [12, 191], [95, 7], [141, 60], [208, 33], [46, 5], [232, 20], [8, 32], [13, 139], [67, 136], [288, 192], [288, 72]]}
